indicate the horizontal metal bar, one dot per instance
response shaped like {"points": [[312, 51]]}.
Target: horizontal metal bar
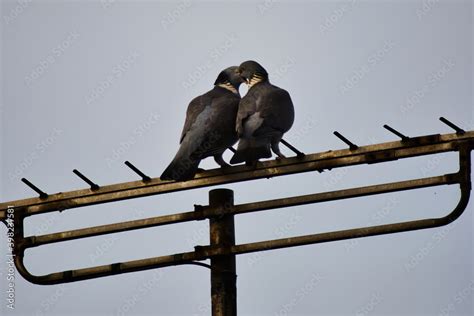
{"points": [[34, 241], [336, 236], [206, 212], [326, 160], [249, 174], [346, 193]]}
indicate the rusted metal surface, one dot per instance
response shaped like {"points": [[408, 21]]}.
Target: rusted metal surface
{"points": [[209, 212], [223, 269], [326, 160], [220, 212]]}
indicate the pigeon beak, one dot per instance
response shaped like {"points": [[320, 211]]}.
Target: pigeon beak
{"points": [[238, 72]]}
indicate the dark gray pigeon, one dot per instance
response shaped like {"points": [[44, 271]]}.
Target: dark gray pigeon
{"points": [[265, 114], [209, 128]]}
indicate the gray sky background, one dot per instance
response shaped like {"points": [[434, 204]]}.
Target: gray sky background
{"points": [[88, 85]]}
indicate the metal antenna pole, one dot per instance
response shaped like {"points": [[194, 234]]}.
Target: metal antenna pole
{"points": [[223, 274]]}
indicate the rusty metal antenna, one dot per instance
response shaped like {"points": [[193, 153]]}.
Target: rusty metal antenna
{"points": [[458, 130], [221, 210], [94, 187], [42, 194], [394, 131], [351, 145], [145, 178], [292, 148]]}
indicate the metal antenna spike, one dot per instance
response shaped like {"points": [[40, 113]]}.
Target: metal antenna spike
{"points": [[403, 137], [232, 149], [94, 186], [292, 148], [42, 194], [145, 178], [458, 130], [351, 145]]}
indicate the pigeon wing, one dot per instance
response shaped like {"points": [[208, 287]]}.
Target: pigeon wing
{"points": [[277, 111], [247, 108], [195, 107], [217, 129]]}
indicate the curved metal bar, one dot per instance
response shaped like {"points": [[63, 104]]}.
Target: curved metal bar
{"points": [[205, 265], [104, 270], [206, 252]]}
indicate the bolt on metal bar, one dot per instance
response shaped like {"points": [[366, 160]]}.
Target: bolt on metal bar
{"points": [[351, 145], [94, 187], [42, 194], [392, 130], [453, 126], [145, 178]]}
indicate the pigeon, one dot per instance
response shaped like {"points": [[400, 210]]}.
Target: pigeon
{"points": [[209, 128], [265, 113]]}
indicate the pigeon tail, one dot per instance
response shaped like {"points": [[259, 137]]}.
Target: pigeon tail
{"points": [[181, 169], [251, 150]]}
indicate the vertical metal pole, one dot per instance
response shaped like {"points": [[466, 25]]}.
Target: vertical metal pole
{"points": [[223, 276]]}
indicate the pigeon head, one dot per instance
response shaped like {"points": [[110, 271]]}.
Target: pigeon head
{"points": [[229, 79], [252, 72]]}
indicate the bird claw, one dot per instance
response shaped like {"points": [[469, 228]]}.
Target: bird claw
{"points": [[225, 170], [252, 164]]}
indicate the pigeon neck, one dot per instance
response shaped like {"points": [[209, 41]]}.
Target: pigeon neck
{"points": [[228, 86], [255, 79]]}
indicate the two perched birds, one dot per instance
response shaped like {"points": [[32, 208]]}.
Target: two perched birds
{"points": [[219, 118]]}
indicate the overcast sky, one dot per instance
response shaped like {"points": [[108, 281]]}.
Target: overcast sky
{"points": [[90, 84]]}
